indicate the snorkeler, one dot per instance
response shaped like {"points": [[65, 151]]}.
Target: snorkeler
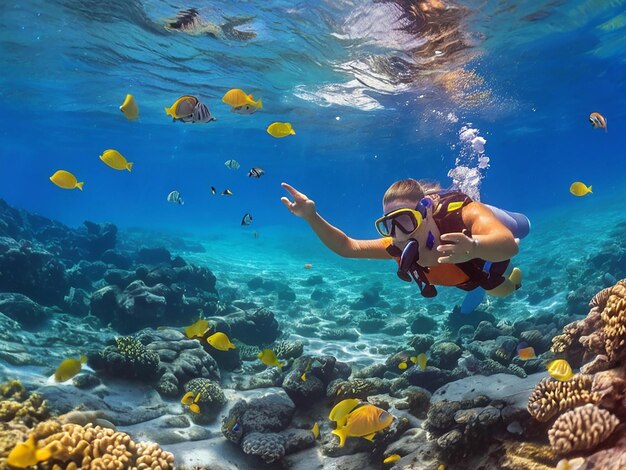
{"points": [[190, 22], [437, 238]]}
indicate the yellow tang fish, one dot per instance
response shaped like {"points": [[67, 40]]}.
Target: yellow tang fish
{"points": [[66, 180], [598, 120], [303, 377], [316, 430], [129, 108], [341, 410], [220, 341], [268, 357], [560, 370], [26, 454], [182, 107], [198, 329], [115, 160], [364, 422], [580, 189], [69, 368], [421, 361], [402, 365], [392, 458], [280, 129], [237, 98]]}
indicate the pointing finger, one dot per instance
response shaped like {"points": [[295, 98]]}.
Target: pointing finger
{"points": [[293, 191]]}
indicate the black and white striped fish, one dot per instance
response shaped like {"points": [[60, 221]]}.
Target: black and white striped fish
{"points": [[247, 219], [175, 198], [256, 172], [200, 114]]}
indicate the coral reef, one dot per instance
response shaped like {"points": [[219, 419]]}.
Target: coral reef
{"points": [[210, 402], [581, 429], [129, 359], [551, 397], [98, 448], [256, 327]]}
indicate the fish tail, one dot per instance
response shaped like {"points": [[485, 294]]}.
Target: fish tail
{"points": [[169, 112], [341, 433], [83, 359], [43, 454], [80, 185], [129, 166], [232, 346], [590, 189], [292, 132], [259, 104]]}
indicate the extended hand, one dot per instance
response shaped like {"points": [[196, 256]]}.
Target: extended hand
{"points": [[460, 248], [301, 206]]}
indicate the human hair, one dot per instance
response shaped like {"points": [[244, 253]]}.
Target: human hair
{"points": [[410, 189]]}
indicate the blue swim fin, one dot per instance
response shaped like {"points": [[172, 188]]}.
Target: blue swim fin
{"points": [[472, 300]]}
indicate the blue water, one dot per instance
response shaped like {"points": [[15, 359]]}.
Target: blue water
{"points": [[68, 65]]}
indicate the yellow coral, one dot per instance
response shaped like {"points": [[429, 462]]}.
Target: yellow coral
{"points": [[581, 429], [99, 448], [550, 397]]}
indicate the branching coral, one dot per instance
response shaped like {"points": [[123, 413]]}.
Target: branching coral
{"points": [[98, 448], [581, 429], [551, 397]]}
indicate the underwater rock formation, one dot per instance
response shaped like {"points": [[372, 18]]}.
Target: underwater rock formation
{"points": [[318, 372], [255, 327], [129, 359], [261, 427]]}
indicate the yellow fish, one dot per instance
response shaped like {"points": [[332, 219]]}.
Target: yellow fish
{"points": [[441, 467], [220, 341], [402, 365], [115, 160], [198, 329], [268, 357], [69, 368], [191, 402], [280, 129], [129, 108], [560, 370], [580, 189], [303, 377], [66, 180], [237, 99], [421, 360], [316, 430], [26, 454], [364, 422], [182, 107], [342, 409], [392, 458], [598, 120]]}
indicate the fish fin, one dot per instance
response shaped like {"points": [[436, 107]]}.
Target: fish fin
{"points": [[370, 437], [80, 185], [43, 454], [129, 166], [590, 189], [342, 434], [232, 346], [169, 112]]}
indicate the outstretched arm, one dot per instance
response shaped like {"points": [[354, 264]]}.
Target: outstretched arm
{"points": [[331, 236]]}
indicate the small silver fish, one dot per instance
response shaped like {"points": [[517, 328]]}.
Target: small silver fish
{"points": [[175, 198], [247, 219], [256, 172], [232, 164]]}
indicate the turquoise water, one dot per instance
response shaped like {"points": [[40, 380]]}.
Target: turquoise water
{"points": [[497, 93]]}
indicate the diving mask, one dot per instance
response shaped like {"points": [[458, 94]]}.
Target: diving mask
{"points": [[406, 220]]}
